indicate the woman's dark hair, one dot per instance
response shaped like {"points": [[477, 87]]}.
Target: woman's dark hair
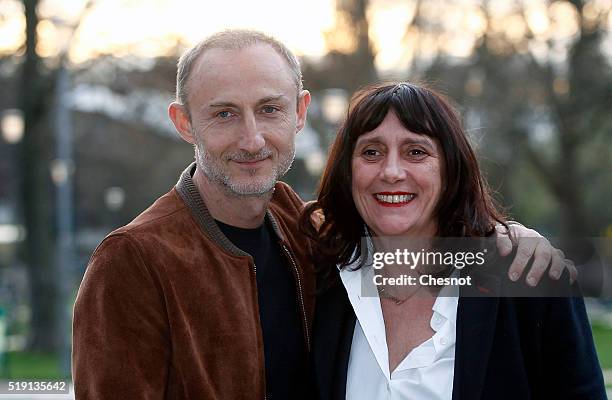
{"points": [[465, 207]]}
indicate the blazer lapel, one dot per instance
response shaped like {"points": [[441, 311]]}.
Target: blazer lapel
{"points": [[334, 328], [476, 320], [343, 354]]}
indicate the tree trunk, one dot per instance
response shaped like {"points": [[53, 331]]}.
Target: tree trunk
{"points": [[36, 194]]}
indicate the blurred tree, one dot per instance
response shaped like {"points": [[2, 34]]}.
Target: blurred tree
{"points": [[36, 191], [350, 60], [123, 149], [348, 64], [539, 85]]}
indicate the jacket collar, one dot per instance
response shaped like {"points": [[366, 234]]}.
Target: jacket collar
{"points": [[188, 191]]}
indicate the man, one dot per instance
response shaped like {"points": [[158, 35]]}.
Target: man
{"points": [[209, 293]]}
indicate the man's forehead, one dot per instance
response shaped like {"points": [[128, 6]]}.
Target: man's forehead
{"points": [[216, 63], [227, 73]]}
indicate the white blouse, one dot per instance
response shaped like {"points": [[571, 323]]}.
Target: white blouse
{"points": [[425, 373]]}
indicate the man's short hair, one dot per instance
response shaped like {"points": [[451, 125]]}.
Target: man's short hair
{"points": [[231, 39]]}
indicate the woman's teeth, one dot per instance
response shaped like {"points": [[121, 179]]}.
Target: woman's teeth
{"points": [[395, 198]]}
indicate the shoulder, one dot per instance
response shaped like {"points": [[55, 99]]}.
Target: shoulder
{"points": [[169, 206], [286, 199], [127, 249], [166, 222], [117, 258], [286, 207]]}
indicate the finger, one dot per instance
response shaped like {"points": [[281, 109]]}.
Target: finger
{"points": [[317, 218], [557, 264], [571, 267], [504, 242], [526, 247], [309, 202], [542, 256], [518, 231]]}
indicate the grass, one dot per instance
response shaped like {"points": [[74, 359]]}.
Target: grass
{"points": [[603, 342], [24, 365]]}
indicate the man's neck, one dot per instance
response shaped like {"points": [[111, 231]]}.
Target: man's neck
{"points": [[238, 211]]}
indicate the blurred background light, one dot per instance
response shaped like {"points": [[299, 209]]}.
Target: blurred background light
{"points": [[12, 125]]}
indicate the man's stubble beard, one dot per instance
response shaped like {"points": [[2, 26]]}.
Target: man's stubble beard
{"points": [[214, 169]]}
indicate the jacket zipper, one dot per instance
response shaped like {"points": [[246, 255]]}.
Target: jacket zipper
{"points": [[300, 293], [255, 273]]}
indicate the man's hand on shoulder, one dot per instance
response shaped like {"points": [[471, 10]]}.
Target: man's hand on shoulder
{"points": [[316, 217], [531, 245]]}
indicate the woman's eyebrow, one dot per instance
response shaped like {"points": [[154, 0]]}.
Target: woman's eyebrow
{"points": [[422, 141], [377, 139]]}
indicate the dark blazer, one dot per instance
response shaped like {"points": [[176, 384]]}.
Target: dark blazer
{"points": [[506, 347]]}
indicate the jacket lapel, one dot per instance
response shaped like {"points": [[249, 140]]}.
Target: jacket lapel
{"points": [[476, 321], [343, 355], [334, 328]]}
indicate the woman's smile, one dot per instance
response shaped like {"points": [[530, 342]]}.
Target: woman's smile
{"points": [[394, 199]]}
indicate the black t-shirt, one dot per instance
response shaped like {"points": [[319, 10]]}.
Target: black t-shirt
{"points": [[284, 349]]}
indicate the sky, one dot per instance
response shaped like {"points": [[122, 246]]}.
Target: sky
{"points": [[153, 27]]}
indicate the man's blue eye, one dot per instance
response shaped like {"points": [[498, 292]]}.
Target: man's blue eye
{"points": [[269, 109], [224, 114]]}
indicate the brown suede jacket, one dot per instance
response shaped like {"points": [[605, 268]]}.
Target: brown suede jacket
{"points": [[168, 305]]}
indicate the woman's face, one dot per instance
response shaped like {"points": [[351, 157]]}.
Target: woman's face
{"points": [[397, 180]]}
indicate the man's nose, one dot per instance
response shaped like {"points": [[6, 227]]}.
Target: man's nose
{"points": [[393, 170], [251, 138]]}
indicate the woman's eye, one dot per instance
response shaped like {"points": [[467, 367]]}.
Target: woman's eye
{"points": [[371, 153], [416, 152]]}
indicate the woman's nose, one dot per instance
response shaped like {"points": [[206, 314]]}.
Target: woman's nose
{"points": [[392, 170]]}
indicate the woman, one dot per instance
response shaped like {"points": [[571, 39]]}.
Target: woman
{"points": [[401, 167]]}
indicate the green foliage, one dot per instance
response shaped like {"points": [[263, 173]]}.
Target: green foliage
{"points": [[26, 365], [534, 205], [602, 335]]}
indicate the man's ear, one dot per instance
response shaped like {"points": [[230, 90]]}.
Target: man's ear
{"points": [[180, 118], [302, 109]]}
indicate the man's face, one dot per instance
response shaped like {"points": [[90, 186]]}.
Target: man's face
{"points": [[245, 113]]}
